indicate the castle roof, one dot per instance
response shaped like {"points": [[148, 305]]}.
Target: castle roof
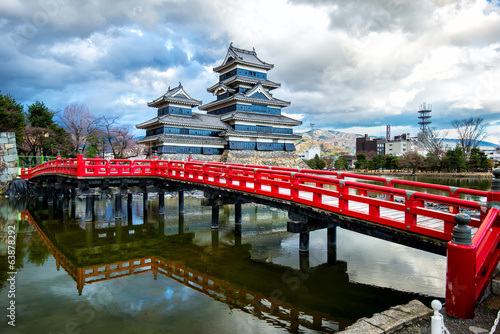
{"points": [[175, 95], [259, 117], [243, 79], [256, 95], [235, 133], [244, 57], [187, 139], [221, 86], [202, 121]]}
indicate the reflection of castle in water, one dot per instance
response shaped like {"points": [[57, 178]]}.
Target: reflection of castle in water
{"points": [[280, 295]]}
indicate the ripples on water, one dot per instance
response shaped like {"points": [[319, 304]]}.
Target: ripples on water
{"points": [[366, 276]]}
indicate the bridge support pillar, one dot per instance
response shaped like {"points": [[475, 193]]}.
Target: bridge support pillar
{"points": [[181, 201], [237, 214], [118, 230], [73, 195], [161, 203], [331, 243], [89, 233], [89, 208], [304, 264], [50, 194], [237, 235], [304, 242], [215, 238], [161, 225], [145, 200], [65, 200], [215, 217], [181, 223], [129, 200], [118, 206]]}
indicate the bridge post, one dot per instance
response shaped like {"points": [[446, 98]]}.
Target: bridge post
{"points": [[215, 217], [181, 223], [215, 238], [161, 225], [237, 213], [50, 194], [130, 218], [304, 263], [161, 203], [118, 230], [237, 235], [461, 271], [73, 195], [145, 200], [304, 242], [493, 196], [89, 233], [66, 196], [118, 206], [89, 208], [181, 201], [331, 243], [129, 200]]}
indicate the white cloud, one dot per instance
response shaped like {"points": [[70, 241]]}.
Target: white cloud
{"points": [[344, 65]]}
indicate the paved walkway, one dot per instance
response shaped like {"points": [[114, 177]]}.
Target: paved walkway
{"points": [[415, 317]]}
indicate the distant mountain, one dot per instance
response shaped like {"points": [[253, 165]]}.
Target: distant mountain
{"points": [[453, 142], [331, 142]]}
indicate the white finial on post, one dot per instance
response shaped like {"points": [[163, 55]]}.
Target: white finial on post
{"points": [[437, 318]]}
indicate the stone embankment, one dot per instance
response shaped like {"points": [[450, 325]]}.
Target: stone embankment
{"points": [[415, 317], [8, 158], [389, 321], [246, 157]]}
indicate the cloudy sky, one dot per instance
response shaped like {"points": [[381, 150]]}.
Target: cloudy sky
{"points": [[353, 66]]}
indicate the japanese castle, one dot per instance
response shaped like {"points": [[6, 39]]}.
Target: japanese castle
{"points": [[244, 116]]}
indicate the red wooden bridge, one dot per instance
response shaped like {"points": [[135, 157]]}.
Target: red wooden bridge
{"points": [[472, 245]]}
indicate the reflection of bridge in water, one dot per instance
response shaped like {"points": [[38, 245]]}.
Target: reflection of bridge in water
{"points": [[279, 295]]}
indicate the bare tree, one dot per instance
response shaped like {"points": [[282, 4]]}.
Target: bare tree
{"points": [[35, 138], [118, 137], [79, 123], [432, 141], [471, 132]]}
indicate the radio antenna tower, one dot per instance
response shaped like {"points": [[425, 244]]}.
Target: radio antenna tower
{"points": [[424, 115]]}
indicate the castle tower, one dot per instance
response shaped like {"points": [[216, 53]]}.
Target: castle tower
{"points": [[177, 130], [244, 101]]}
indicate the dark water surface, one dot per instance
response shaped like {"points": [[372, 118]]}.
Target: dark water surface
{"points": [[190, 279]]}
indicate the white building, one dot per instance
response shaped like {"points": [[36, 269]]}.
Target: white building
{"points": [[397, 147], [492, 153], [311, 152]]}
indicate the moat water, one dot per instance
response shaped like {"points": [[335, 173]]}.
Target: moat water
{"points": [[192, 279]]}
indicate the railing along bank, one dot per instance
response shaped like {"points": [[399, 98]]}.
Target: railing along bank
{"points": [[345, 193]]}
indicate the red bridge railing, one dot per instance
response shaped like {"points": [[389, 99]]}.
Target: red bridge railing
{"points": [[372, 198]]}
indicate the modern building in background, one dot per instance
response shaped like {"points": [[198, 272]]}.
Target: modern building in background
{"points": [[399, 145], [370, 146], [244, 116], [311, 153]]}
